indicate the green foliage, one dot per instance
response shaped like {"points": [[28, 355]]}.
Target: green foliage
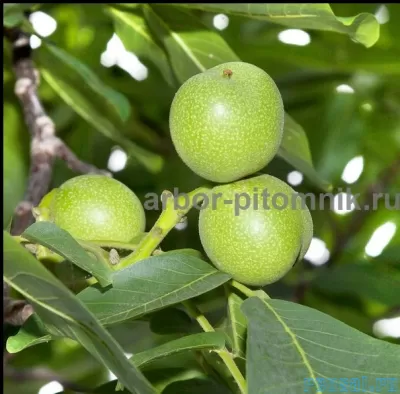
{"points": [[167, 321]]}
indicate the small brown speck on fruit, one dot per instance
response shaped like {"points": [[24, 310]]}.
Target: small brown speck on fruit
{"points": [[227, 73]]}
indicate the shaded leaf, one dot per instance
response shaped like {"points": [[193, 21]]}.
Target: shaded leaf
{"points": [[362, 28], [62, 243], [196, 386], [191, 46], [112, 98], [133, 31], [237, 325], [172, 321], [202, 341], [13, 14], [65, 315], [293, 348], [152, 284], [295, 150], [363, 280], [101, 106], [160, 378], [16, 156]]}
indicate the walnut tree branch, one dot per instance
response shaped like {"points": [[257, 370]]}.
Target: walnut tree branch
{"points": [[45, 145]]}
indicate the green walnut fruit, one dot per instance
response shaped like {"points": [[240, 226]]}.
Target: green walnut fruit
{"points": [[95, 207], [227, 122], [253, 236]]}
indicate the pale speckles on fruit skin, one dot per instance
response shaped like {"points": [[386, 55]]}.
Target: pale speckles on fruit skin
{"points": [[254, 255], [96, 207], [308, 232], [227, 128]]}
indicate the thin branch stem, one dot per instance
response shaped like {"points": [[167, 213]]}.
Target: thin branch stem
{"points": [[243, 289], [168, 219], [224, 354]]}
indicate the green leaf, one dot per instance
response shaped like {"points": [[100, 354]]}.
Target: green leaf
{"points": [[16, 156], [13, 14], [202, 341], [366, 281], [362, 28], [295, 150], [101, 106], [191, 46], [293, 348], [118, 102], [65, 315], [237, 325], [151, 284], [133, 31], [196, 386], [30, 334], [172, 321], [62, 243]]}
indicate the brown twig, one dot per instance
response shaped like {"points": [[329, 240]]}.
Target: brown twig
{"points": [[45, 145], [45, 148]]}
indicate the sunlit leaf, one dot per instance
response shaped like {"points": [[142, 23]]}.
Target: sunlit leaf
{"points": [[30, 334], [191, 46], [363, 28], [133, 31]]}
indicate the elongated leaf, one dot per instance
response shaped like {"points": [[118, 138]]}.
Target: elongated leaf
{"points": [[362, 28], [237, 325], [191, 46], [202, 341], [133, 31], [112, 98], [362, 280], [102, 107], [152, 284], [62, 243], [295, 150], [292, 348], [65, 315]]}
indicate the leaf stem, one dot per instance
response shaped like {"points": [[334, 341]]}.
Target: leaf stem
{"points": [[224, 354], [248, 292], [242, 288], [168, 219]]}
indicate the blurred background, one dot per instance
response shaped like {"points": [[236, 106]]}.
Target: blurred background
{"points": [[346, 98]]}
